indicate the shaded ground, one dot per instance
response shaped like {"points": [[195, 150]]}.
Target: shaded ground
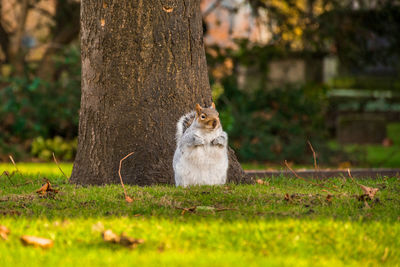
{"points": [[361, 174], [284, 221]]}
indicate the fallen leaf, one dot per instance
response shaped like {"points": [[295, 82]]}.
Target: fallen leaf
{"points": [[369, 191], [4, 231], [288, 197], [387, 142], [128, 199], [46, 189], [259, 181], [329, 198], [43, 189], [10, 212], [191, 209], [110, 236], [130, 241], [124, 240], [36, 241]]}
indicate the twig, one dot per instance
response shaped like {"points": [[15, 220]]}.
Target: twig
{"points": [[8, 176], [223, 209], [287, 165], [58, 165], [13, 162], [314, 155], [16, 170], [127, 198], [351, 177], [315, 162], [27, 182]]}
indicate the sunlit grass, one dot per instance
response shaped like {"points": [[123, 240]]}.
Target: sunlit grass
{"points": [[41, 169], [259, 227]]}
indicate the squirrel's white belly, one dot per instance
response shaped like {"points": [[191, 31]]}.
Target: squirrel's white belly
{"points": [[201, 165]]}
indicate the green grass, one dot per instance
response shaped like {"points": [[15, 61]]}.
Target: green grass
{"points": [[366, 156], [375, 156], [260, 228]]}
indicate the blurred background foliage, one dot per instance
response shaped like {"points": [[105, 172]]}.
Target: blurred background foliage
{"points": [[282, 72], [32, 107]]}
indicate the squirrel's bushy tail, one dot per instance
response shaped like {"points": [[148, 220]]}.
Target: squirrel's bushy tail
{"points": [[183, 123]]}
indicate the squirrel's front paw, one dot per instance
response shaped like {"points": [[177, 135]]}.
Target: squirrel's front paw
{"points": [[197, 141], [219, 141]]}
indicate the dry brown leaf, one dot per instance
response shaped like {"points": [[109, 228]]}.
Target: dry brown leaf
{"points": [[130, 241], [128, 199], [43, 189], [369, 191], [259, 181], [191, 209], [124, 240], [46, 188], [387, 142], [110, 236], [36, 241], [288, 197], [4, 231], [9, 212], [329, 198]]}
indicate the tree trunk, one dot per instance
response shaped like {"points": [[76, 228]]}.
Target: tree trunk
{"points": [[143, 66]]}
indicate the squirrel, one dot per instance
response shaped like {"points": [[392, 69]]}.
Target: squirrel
{"points": [[201, 155]]}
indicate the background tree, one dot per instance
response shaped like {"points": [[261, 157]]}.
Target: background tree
{"points": [[143, 66], [15, 42]]}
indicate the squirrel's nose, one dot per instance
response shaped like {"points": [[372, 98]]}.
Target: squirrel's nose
{"points": [[214, 123]]}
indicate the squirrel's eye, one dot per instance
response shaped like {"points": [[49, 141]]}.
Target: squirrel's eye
{"points": [[203, 116]]}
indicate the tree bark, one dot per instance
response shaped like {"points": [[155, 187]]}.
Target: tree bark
{"points": [[143, 66]]}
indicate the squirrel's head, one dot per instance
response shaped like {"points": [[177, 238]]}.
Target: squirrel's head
{"points": [[208, 118]]}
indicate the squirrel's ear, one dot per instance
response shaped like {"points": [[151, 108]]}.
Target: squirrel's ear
{"points": [[198, 109], [213, 105]]}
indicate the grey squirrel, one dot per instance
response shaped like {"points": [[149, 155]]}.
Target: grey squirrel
{"points": [[201, 155]]}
